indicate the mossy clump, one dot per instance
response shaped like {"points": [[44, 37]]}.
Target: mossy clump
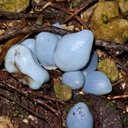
{"points": [[14, 5], [62, 92], [123, 4], [106, 24], [109, 67]]}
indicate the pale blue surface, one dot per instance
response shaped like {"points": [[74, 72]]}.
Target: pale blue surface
{"points": [[19, 60], [97, 83], [30, 43], [79, 116], [73, 50], [92, 64], [45, 47], [74, 79]]}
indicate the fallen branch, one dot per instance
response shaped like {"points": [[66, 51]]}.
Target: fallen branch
{"points": [[12, 15], [5, 85], [83, 5], [70, 13], [11, 33], [38, 28], [2, 93], [117, 97], [111, 45]]}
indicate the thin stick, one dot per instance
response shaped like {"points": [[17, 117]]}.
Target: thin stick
{"points": [[117, 97], [27, 109], [32, 28], [83, 5], [26, 94], [70, 13], [111, 45], [12, 15]]}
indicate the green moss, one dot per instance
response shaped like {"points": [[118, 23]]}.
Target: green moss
{"points": [[63, 92], [16, 113], [104, 17], [110, 104], [14, 5], [104, 11], [109, 67]]}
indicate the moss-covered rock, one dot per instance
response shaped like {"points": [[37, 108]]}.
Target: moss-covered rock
{"points": [[109, 67], [123, 4], [62, 92], [115, 29], [14, 5]]}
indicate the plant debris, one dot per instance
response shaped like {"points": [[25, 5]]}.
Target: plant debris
{"points": [[22, 107]]}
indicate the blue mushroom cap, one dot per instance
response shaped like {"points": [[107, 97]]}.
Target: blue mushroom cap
{"points": [[45, 47], [74, 79], [97, 83], [21, 64], [30, 43], [92, 64], [79, 116], [73, 50]]}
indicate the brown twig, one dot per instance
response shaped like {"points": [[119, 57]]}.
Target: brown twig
{"points": [[56, 112], [70, 13], [32, 28], [48, 98], [118, 82], [83, 5], [111, 45], [8, 86], [117, 97], [2, 93], [38, 28], [12, 15]]}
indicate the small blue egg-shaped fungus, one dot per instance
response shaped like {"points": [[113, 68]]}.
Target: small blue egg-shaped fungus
{"points": [[73, 50], [92, 64], [74, 79], [97, 83], [46, 43], [30, 43], [79, 116], [21, 64]]}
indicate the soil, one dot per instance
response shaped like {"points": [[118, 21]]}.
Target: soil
{"points": [[21, 107]]}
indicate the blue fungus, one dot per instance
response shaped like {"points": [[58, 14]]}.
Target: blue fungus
{"points": [[79, 116], [21, 64], [97, 83], [92, 64], [30, 43], [45, 46], [74, 79], [73, 50]]}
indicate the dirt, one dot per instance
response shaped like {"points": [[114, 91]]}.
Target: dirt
{"points": [[21, 107]]}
